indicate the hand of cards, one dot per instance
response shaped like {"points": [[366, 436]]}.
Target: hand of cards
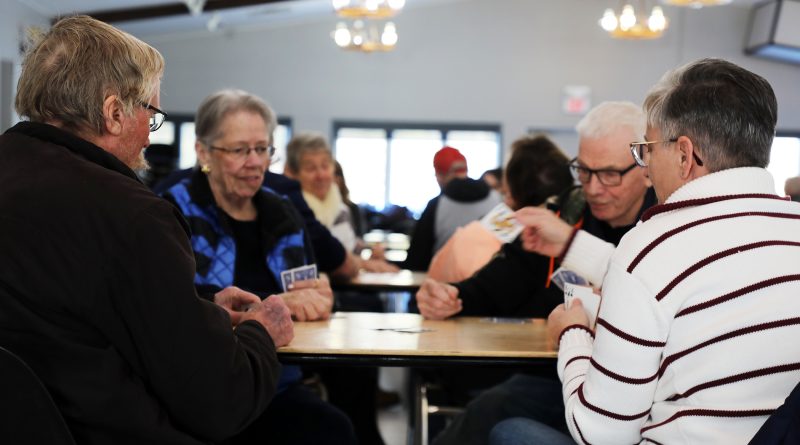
{"points": [[308, 272], [589, 299], [561, 276], [501, 223]]}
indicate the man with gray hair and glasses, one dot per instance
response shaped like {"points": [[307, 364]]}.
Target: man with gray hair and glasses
{"points": [[515, 283], [97, 274], [699, 299]]}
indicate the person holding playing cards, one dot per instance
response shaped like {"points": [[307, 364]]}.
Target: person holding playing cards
{"points": [[699, 300], [247, 236], [612, 195]]}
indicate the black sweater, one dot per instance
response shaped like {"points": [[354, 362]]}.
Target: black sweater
{"points": [[97, 296]]}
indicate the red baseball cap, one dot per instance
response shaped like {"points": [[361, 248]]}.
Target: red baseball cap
{"points": [[448, 160]]}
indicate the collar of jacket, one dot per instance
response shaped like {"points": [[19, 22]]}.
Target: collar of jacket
{"points": [[274, 217], [75, 144]]}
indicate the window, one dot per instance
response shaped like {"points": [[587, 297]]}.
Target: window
{"points": [[392, 164], [784, 161]]}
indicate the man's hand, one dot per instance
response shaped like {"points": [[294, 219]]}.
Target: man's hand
{"points": [[561, 317], [235, 301], [437, 301], [545, 233], [309, 300], [273, 314]]}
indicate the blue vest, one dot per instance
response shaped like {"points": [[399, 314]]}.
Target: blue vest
{"points": [[215, 249]]}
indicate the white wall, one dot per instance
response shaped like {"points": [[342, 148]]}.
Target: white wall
{"points": [[502, 61]]}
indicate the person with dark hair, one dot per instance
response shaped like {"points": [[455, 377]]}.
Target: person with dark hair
{"points": [[516, 283], [494, 179], [96, 276], [537, 170], [696, 297]]}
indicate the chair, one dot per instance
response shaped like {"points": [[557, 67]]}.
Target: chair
{"points": [[783, 426], [28, 414]]}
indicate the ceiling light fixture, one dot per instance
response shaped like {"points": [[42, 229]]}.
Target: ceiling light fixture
{"points": [[631, 23], [365, 32], [696, 4]]}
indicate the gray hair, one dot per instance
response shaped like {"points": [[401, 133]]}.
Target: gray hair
{"points": [[69, 72], [215, 107], [610, 117], [728, 112], [304, 143]]}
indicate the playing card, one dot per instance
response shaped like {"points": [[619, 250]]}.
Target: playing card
{"points": [[501, 223], [590, 300], [307, 272], [561, 276], [286, 279]]}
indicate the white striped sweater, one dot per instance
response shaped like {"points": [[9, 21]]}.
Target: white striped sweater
{"points": [[697, 336]]}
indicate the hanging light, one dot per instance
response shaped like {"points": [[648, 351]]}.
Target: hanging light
{"points": [[633, 24], [365, 32], [373, 9], [696, 4], [366, 36]]}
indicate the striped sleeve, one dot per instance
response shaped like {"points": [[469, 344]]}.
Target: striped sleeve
{"points": [[608, 395], [588, 256]]}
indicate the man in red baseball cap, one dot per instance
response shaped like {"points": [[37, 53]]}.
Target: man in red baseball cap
{"points": [[462, 200], [449, 163]]}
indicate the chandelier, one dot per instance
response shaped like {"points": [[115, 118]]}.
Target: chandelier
{"points": [[696, 3], [365, 31], [633, 24]]}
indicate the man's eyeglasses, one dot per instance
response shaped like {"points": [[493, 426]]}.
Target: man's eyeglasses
{"points": [[641, 151], [608, 177], [157, 118], [243, 152]]}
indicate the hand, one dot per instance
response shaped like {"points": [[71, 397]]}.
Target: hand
{"points": [[235, 301], [372, 265], [437, 301], [309, 300], [561, 317], [545, 233], [273, 314], [378, 252]]}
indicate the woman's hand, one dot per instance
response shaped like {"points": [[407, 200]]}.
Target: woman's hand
{"points": [[309, 300]]}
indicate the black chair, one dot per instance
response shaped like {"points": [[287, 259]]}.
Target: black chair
{"points": [[783, 426], [28, 414]]}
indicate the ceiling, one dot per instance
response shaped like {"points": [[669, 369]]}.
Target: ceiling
{"points": [[172, 16]]}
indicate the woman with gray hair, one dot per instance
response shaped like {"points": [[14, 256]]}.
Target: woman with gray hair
{"points": [[309, 161], [247, 236]]}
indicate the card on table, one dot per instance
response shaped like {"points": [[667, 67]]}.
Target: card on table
{"points": [[501, 223], [590, 300], [288, 277], [561, 276]]}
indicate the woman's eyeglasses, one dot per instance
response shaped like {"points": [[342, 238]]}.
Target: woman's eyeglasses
{"points": [[244, 152]]}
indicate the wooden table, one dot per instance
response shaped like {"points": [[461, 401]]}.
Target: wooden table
{"points": [[395, 339], [404, 280]]}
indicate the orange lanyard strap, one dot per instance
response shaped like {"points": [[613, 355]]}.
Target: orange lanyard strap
{"points": [[577, 226]]}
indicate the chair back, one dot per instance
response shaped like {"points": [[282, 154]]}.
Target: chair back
{"points": [[28, 414], [783, 426]]}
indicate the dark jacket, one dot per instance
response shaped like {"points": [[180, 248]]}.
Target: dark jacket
{"points": [[97, 296], [466, 199], [513, 283]]}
